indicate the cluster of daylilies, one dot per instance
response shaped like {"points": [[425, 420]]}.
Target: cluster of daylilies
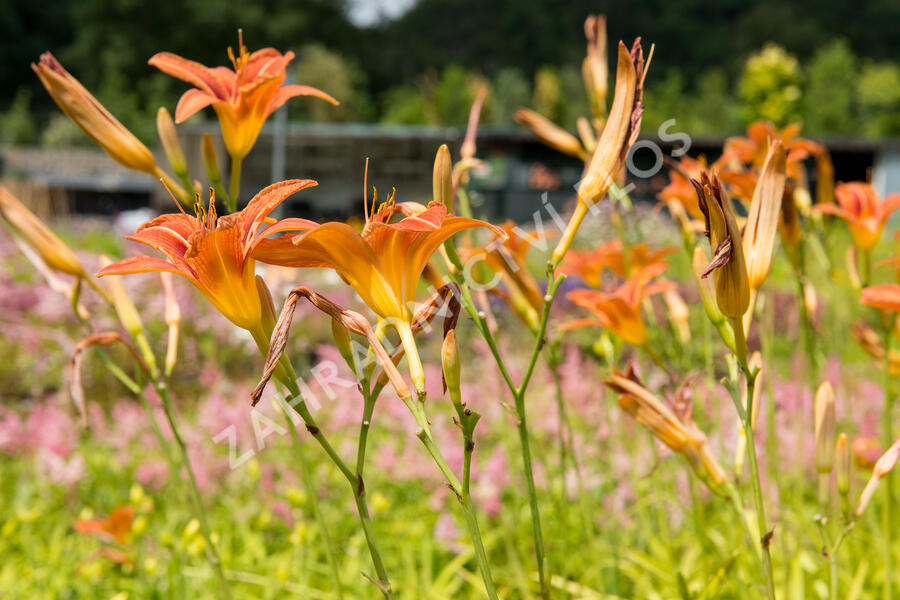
{"points": [[730, 214]]}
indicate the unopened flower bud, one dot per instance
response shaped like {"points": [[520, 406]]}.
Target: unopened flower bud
{"points": [[762, 221], [842, 464], [173, 321], [344, 343], [269, 316], [125, 309], [586, 133], [211, 163], [550, 134], [789, 219], [97, 122], [443, 177], [706, 286], [824, 178], [883, 467], [594, 69], [450, 362], [679, 315], [728, 265], [824, 427], [165, 126], [55, 254]]}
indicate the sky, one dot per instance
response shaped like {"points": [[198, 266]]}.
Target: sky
{"points": [[368, 12]]}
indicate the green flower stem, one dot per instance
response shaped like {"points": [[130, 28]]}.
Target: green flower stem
{"points": [[193, 492], [234, 189], [762, 525], [288, 378], [566, 435], [310, 486], [364, 426], [518, 392], [737, 502], [212, 555], [355, 480], [461, 491], [832, 555]]}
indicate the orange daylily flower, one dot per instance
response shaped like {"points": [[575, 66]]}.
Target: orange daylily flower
{"points": [[507, 257], [620, 311], [680, 191], [590, 265], [215, 253], [116, 528], [752, 150], [243, 98], [866, 215], [383, 264], [885, 296]]}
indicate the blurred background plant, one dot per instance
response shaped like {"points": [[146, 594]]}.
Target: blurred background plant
{"points": [[832, 66]]}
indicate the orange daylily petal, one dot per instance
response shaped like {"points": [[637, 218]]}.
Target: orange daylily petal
{"points": [[890, 204], [267, 200], [225, 277], [115, 528], [885, 297], [286, 92], [191, 102], [193, 72], [340, 247], [143, 264]]}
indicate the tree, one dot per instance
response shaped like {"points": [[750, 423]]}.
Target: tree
{"points": [[829, 101], [770, 87], [879, 99]]}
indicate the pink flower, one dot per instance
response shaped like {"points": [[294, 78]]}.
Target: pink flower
{"points": [[152, 474], [59, 470], [281, 509]]}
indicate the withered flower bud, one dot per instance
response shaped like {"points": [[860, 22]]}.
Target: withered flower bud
{"points": [[728, 265]]}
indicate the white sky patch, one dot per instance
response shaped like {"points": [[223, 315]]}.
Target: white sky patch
{"points": [[370, 12]]}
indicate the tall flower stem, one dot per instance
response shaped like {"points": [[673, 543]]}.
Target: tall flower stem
{"points": [[518, 392], [887, 517], [737, 502], [566, 435], [310, 486], [744, 413], [461, 491], [355, 480], [212, 554], [234, 188], [193, 492], [288, 378]]}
